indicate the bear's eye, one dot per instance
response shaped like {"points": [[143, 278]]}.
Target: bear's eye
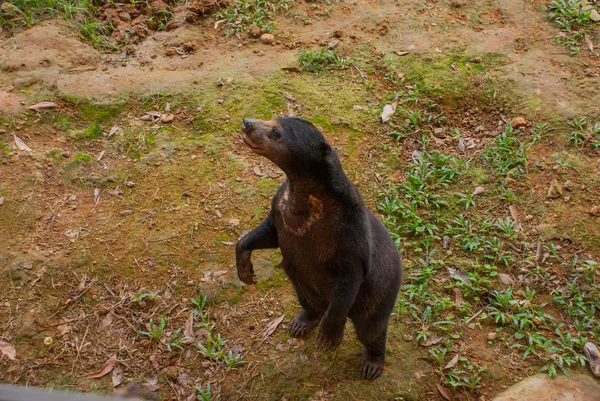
{"points": [[275, 133]]}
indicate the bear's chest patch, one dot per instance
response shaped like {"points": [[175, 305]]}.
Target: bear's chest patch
{"points": [[299, 224]]}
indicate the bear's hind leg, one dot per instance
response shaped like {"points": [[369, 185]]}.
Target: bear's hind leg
{"points": [[372, 334]]}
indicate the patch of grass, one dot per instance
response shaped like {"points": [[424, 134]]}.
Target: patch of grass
{"points": [[97, 34], [82, 158], [318, 61], [26, 13], [584, 133], [459, 247], [242, 15], [573, 19], [509, 154], [94, 131]]}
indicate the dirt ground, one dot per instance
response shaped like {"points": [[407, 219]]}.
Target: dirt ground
{"points": [[111, 220]]}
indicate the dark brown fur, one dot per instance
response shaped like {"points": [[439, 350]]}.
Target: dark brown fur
{"points": [[337, 254]]}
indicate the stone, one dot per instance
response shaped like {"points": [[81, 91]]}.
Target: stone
{"points": [[267, 38], [167, 118], [555, 190], [492, 336], [518, 122], [568, 185], [190, 47], [595, 15], [540, 387], [548, 232], [124, 16], [255, 32], [594, 211], [333, 43], [170, 372], [170, 52]]}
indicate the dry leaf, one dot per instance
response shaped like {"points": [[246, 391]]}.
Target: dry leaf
{"points": [[117, 376], [151, 383], [113, 131], [100, 156], [109, 365], [8, 350], [272, 326], [505, 279], [589, 43], [43, 105], [228, 243], [96, 195], [459, 275], [444, 392], [417, 156], [20, 144], [461, 144], [64, 329], [432, 341], [477, 191], [452, 362], [387, 113], [401, 53], [257, 171], [154, 362], [105, 322], [188, 331], [458, 298]]}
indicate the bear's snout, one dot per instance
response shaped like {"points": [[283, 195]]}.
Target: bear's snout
{"points": [[247, 124]]}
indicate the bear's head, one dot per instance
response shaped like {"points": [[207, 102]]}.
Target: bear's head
{"points": [[293, 144]]}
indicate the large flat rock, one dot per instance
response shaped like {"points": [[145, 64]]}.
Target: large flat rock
{"points": [[575, 387]]}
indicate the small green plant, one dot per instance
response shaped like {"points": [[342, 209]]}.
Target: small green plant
{"points": [[175, 341], [245, 14], [509, 154], [140, 295], [156, 330], [324, 59], [232, 360], [573, 20], [82, 158], [199, 311], [204, 393]]}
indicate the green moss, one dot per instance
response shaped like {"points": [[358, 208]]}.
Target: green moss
{"points": [[82, 158], [94, 131], [62, 122], [267, 187]]}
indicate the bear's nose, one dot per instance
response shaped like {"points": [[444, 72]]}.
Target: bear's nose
{"points": [[248, 122]]}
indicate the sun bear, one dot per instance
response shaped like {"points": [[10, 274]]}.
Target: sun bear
{"points": [[339, 257]]}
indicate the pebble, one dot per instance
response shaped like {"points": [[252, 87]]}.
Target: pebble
{"points": [[255, 32], [167, 118], [594, 15], [568, 185], [518, 122], [333, 43], [492, 336], [555, 190], [267, 38], [124, 16]]}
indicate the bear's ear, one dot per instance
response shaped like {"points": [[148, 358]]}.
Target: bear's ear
{"points": [[325, 149]]}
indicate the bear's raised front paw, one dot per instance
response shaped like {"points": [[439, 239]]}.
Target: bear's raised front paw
{"points": [[245, 270]]}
